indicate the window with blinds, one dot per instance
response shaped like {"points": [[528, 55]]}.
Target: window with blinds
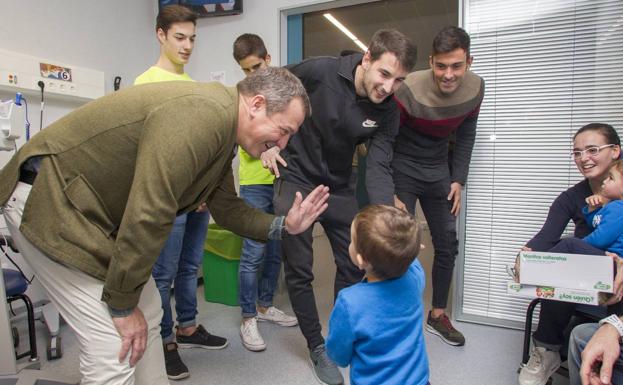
{"points": [[550, 67]]}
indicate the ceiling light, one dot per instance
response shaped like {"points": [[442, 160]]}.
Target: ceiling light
{"points": [[345, 30]]}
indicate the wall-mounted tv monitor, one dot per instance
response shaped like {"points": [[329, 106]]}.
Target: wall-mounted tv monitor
{"points": [[208, 8]]}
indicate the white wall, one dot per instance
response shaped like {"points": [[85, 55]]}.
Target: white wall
{"points": [[117, 37], [112, 36], [215, 37]]}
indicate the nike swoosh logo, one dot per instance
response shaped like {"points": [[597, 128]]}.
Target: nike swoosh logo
{"points": [[369, 123]]}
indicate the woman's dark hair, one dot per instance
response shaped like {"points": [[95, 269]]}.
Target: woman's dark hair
{"points": [[604, 129]]}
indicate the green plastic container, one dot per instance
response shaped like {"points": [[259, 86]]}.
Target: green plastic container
{"points": [[220, 266]]}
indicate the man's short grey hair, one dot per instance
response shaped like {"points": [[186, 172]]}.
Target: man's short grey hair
{"points": [[278, 85]]}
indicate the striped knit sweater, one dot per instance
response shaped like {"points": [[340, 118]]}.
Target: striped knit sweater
{"points": [[428, 118]]}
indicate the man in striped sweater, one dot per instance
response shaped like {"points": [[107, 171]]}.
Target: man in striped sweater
{"points": [[436, 104]]}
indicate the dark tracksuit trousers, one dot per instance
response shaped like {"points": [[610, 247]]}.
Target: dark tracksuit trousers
{"points": [[433, 198], [298, 254]]}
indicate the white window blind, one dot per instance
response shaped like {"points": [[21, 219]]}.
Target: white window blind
{"points": [[550, 67]]}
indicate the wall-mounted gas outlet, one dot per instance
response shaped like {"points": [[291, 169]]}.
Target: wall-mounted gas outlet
{"points": [[19, 72], [12, 78]]}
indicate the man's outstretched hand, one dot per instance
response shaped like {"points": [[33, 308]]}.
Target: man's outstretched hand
{"points": [[304, 212]]}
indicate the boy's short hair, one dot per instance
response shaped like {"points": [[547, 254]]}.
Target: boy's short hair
{"points": [[249, 44], [617, 165], [172, 14], [393, 41], [449, 39], [387, 238]]}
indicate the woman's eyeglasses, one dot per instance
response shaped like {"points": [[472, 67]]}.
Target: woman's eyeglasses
{"points": [[590, 151]]}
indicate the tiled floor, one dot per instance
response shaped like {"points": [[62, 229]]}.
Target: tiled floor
{"points": [[490, 356]]}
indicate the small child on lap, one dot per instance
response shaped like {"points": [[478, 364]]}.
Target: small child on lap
{"points": [[604, 212], [376, 326]]}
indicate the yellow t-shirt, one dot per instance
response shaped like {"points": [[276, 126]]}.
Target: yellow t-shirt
{"points": [[251, 170], [156, 74]]}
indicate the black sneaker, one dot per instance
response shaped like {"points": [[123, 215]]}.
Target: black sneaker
{"points": [[201, 339], [443, 328], [176, 370]]}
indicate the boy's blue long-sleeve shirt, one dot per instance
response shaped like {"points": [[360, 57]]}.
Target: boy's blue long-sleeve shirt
{"points": [[376, 328], [608, 224]]}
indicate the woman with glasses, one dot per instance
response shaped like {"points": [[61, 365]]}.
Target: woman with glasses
{"points": [[595, 147]]}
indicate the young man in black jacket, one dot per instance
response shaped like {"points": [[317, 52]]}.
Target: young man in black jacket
{"points": [[351, 104]]}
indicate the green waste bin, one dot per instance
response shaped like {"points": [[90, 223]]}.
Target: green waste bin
{"points": [[221, 259]]}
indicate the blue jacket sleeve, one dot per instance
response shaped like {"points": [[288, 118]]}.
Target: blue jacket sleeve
{"points": [[610, 226], [341, 339]]}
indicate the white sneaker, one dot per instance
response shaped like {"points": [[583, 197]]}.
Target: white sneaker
{"points": [[250, 335], [277, 316], [542, 364]]}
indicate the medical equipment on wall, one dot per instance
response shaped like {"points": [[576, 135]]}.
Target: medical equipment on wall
{"points": [[13, 122], [63, 81], [14, 125]]}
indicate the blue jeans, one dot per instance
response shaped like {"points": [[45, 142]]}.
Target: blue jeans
{"points": [[579, 338], [256, 255], [177, 263]]}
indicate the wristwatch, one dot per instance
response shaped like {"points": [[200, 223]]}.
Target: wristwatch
{"points": [[615, 321]]}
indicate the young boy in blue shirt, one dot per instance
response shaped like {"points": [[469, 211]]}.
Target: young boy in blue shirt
{"points": [[376, 325], [604, 213]]}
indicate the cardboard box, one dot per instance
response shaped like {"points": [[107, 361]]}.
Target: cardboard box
{"points": [[555, 293], [570, 271]]}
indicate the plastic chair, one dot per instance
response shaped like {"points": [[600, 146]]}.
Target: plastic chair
{"points": [[15, 287], [45, 311]]}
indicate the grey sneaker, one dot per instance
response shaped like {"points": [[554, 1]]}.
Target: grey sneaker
{"points": [[250, 335], [542, 364], [275, 315], [443, 328], [325, 371]]}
